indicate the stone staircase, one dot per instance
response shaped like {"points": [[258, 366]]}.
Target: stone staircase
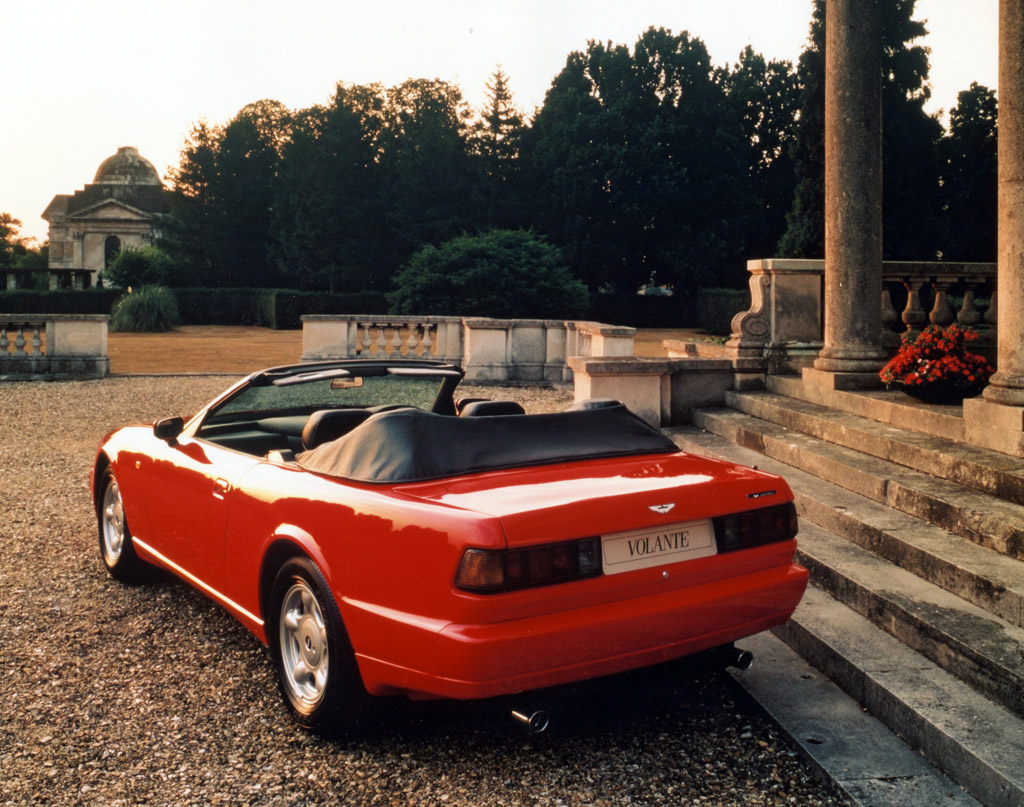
{"points": [[915, 545]]}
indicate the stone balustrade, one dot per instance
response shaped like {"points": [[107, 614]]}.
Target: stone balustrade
{"points": [[53, 345], [490, 350], [785, 323]]}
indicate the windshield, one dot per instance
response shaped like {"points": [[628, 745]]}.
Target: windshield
{"points": [[330, 393]]}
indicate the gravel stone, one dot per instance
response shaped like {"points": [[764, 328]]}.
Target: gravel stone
{"points": [[152, 695]]}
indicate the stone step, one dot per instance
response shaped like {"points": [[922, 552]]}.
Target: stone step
{"points": [[988, 471], [860, 757], [977, 647], [973, 740], [885, 406], [970, 641], [980, 517], [984, 578]]}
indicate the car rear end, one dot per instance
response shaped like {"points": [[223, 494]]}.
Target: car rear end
{"points": [[607, 565]]}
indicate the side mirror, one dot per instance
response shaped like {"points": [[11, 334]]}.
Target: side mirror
{"points": [[169, 428]]}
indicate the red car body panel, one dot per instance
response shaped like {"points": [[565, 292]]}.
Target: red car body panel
{"points": [[390, 554]]}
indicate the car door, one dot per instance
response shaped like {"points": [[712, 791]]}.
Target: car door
{"points": [[191, 489]]}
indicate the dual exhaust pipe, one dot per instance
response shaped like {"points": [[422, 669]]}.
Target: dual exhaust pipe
{"points": [[537, 721]]}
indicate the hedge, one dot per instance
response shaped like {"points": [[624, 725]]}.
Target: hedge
{"points": [[709, 309], [66, 301], [282, 309], [272, 308]]}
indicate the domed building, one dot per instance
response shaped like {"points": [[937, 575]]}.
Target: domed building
{"points": [[122, 207]]}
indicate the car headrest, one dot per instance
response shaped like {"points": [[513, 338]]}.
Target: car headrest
{"points": [[476, 409], [329, 424]]}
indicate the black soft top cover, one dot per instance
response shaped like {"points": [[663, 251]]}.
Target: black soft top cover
{"points": [[410, 445]]}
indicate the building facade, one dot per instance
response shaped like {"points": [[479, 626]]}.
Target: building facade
{"points": [[123, 207]]}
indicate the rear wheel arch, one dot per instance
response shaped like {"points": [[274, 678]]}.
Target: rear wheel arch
{"points": [[102, 463], [277, 555]]}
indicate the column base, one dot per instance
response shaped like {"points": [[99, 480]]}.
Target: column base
{"points": [[860, 359], [1006, 390], [836, 380]]}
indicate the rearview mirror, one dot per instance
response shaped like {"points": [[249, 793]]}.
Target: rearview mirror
{"points": [[169, 428]]}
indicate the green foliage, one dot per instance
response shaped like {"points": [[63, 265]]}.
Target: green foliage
{"points": [[280, 309], [495, 142], [150, 309], [329, 225], [765, 97], [502, 273], [637, 163], [64, 301], [288, 307], [9, 229], [910, 185], [132, 268], [224, 193], [426, 165], [969, 178], [16, 252], [715, 309]]}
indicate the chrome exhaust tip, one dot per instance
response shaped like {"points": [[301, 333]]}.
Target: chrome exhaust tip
{"points": [[533, 722], [740, 659]]}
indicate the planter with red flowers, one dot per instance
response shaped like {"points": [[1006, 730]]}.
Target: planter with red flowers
{"points": [[935, 366]]}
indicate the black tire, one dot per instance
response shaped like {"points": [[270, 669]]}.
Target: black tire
{"points": [[316, 666], [117, 550]]}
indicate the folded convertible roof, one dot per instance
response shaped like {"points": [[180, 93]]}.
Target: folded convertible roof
{"points": [[410, 445]]}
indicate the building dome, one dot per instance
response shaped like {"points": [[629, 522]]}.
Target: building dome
{"points": [[127, 167]]}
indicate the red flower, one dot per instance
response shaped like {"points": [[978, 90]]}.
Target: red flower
{"points": [[938, 356]]}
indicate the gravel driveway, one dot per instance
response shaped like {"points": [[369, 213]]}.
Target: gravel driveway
{"points": [[112, 695]]}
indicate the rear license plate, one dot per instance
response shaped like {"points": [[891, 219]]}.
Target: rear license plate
{"points": [[641, 549]]}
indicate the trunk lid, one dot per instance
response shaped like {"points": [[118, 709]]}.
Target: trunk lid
{"points": [[598, 497]]}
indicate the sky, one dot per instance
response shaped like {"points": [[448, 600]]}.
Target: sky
{"points": [[83, 77]]}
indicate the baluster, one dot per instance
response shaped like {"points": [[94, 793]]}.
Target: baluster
{"points": [[37, 342], [913, 315], [366, 340], [396, 342], [991, 315], [427, 342], [968, 314], [19, 341], [941, 314], [412, 342], [382, 343], [890, 319], [4, 341]]}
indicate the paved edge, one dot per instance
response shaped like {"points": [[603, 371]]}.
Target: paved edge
{"points": [[851, 751]]}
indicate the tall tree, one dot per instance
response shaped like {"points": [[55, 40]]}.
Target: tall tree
{"points": [[427, 170], [910, 195], [765, 96], [10, 242], [495, 141], [969, 177], [328, 219], [225, 187], [637, 164]]}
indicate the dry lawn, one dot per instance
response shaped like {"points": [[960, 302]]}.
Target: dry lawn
{"points": [[239, 350]]}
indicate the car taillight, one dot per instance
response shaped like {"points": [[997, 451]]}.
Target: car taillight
{"points": [[755, 527], [488, 571]]}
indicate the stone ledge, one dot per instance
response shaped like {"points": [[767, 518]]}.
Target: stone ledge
{"points": [[618, 365], [994, 426]]}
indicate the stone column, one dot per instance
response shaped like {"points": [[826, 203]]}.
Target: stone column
{"points": [[1007, 385], [853, 191]]}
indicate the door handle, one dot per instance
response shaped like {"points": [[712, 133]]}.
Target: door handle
{"points": [[221, 487]]}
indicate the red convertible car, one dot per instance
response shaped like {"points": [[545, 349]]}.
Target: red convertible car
{"points": [[383, 540]]}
